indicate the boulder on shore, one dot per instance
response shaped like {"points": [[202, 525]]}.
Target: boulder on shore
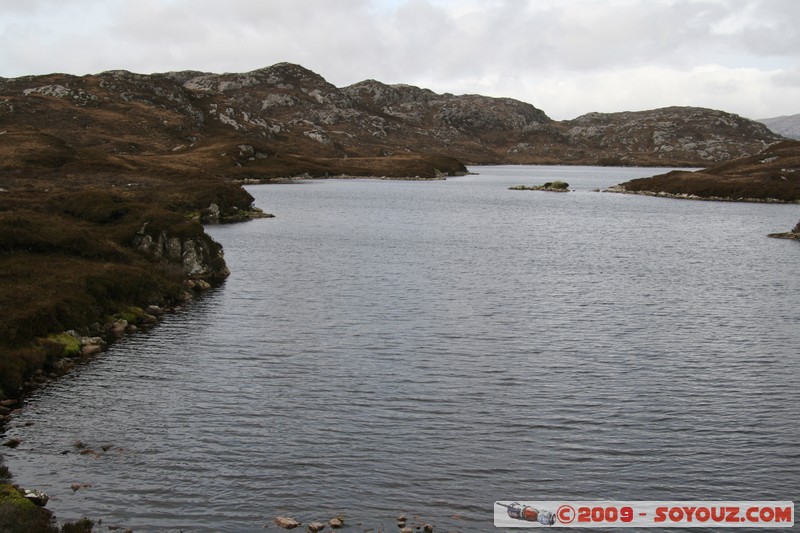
{"points": [[37, 497]]}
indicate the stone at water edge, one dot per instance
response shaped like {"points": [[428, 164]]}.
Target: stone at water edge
{"points": [[315, 527], [91, 349], [118, 328], [336, 523], [201, 285], [36, 496], [286, 522], [92, 341]]}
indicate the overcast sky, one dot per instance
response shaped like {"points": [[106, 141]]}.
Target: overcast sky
{"points": [[566, 57]]}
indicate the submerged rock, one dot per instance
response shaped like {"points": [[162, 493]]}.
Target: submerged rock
{"points": [[286, 522]]}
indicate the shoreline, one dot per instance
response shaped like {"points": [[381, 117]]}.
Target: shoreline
{"points": [[28, 505], [308, 177], [618, 189]]}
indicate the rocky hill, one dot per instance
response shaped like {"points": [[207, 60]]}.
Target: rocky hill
{"points": [[672, 136], [286, 119], [788, 126], [772, 175]]}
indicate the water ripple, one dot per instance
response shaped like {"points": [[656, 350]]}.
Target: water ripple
{"points": [[430, 348]]}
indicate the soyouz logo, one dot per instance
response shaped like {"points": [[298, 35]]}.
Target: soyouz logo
{"points": [[643, 514]]}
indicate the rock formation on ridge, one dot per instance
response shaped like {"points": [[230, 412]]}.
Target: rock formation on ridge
{"points": [[285, 112]]}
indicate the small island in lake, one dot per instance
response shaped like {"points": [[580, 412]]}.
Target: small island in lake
{"points": [[793, 235], [552, 186]]}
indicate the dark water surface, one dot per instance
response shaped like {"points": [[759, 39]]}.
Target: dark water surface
{"points": [[430, 347]]}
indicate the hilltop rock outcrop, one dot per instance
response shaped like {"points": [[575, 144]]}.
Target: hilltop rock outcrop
{"points": [[680, 135], [296, 122]]}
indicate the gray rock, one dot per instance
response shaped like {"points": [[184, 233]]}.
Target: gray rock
{"points": [[36, 496], [192, 258], [92, 341], [172, 248]]}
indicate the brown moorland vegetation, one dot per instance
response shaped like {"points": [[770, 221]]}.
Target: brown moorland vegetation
{"points": [[771, 175]]}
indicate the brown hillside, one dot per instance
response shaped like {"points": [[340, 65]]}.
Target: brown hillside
{"points": [[771, 175]]}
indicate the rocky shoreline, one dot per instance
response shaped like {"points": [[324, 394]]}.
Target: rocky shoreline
{"points": [[770, 176], [93, 264], [23, 509], [620, 189]]}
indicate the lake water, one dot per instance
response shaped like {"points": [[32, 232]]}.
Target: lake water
{"points": [[428, 348]]}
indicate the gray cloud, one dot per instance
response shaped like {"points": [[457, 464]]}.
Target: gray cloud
{"points": [[564, 56]]}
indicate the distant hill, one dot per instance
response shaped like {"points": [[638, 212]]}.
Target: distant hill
{"points": [[771, 175], [291, 120], [787, 125]]}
